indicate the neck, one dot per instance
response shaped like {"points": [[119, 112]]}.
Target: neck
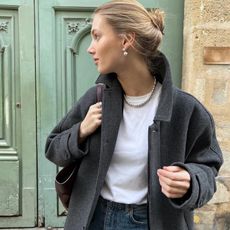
{"points": [[136, 81], [134, 75]]}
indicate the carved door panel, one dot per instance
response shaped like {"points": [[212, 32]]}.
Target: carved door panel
{"points": [[18, 189]]}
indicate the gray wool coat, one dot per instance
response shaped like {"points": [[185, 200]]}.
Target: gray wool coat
{"points": [[182, 133]]}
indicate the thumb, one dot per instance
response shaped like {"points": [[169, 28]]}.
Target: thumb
{"points": [[172, 168]]}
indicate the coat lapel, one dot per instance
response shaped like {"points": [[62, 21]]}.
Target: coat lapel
{"points": [[112, 115]]}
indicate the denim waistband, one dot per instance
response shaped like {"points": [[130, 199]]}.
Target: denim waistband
{"points": [[120, 206]]}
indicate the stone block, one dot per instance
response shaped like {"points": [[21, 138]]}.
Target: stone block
{"points": [[207, 12]]}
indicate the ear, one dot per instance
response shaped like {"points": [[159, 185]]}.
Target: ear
{"points": [[128, 40]]}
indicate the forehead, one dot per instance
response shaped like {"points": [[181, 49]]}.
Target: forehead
{"points": [[100, 23]]}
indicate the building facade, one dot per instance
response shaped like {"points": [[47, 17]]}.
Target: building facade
{"points": [[206, 74]]}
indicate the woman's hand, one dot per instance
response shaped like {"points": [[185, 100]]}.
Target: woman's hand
{"points": [[91, 121], [174, 181]]}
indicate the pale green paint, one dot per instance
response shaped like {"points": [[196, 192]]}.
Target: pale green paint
{"points": [[58, 86], [9, 188], [18, 201], [65, 71], [2, 49], [172, 44]]}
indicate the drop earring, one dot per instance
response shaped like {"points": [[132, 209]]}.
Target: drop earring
{"points": [[125, 53]]}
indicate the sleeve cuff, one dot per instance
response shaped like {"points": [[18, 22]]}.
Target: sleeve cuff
{"points": [[189, 200], [76, 149]]}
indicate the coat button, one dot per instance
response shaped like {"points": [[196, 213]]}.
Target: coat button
{"points": [[154, 127]]}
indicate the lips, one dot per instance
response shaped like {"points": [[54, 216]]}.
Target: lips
{"points": [[96, 60]]}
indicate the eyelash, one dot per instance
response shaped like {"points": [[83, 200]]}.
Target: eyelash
{"points": [[96, 37]]}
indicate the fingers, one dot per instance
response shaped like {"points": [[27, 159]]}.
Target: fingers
{"points": [[172, 168], [174, 173], [173, 189], [96, 108], [94, 114], [97, 105], [173, 193], [174, 181], [91, 121]]}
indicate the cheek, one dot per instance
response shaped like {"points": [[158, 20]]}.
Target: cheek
{"points": [[110, 62], [115, 54], [110, 55], [111, 48]]}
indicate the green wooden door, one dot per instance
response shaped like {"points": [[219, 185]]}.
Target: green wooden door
{"points": [[18, 189], [65, 71]]}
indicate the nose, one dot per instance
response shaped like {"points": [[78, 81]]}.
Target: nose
{"points": [[90, 49]]}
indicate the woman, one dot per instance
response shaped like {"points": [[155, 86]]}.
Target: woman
{"points": [[148, 152]]}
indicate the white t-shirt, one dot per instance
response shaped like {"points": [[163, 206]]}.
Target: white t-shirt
{"points": [[127, 178]]}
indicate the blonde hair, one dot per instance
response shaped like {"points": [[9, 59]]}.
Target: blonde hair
{"points": [[129, 16]]}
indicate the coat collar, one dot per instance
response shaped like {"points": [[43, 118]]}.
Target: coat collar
{"points": [[163, 75]]}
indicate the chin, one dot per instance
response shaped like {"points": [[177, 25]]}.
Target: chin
{"points": [[103, 71]]}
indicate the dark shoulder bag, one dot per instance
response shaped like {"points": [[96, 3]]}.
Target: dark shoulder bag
{"points": [[66, 176]]}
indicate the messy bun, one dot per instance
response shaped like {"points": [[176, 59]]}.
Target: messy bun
{"points": [[157, 19], [127, 16]]}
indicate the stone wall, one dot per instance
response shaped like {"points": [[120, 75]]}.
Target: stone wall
{"points": [[207, 24]]}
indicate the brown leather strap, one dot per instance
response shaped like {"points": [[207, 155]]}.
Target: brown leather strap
{"points": [[100, 90]]}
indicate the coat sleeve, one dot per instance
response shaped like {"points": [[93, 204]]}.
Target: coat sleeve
{"points": [[203, 161], [62, 147]]}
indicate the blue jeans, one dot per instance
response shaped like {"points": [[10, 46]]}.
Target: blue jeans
{"points": [[109, 215]]}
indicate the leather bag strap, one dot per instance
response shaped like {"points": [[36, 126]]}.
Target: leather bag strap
{"points": [[100, 90]]}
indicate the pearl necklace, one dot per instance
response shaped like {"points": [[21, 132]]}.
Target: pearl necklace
{"points": [[146, 101]]}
